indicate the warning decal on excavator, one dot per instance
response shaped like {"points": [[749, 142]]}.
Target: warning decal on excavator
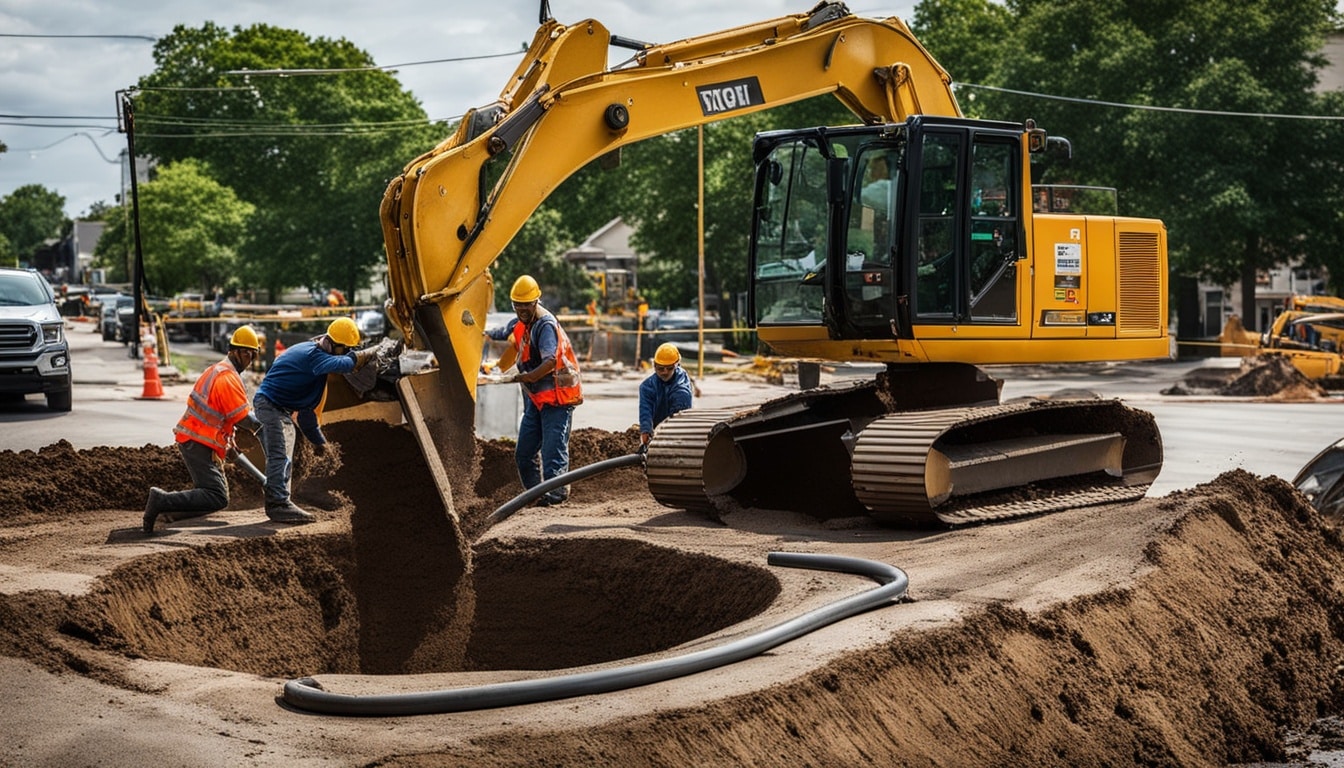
{"points": [[1068, 259], [725, 97]]}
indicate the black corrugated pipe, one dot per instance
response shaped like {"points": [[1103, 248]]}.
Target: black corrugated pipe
{"points": [[306, 693], [536, 491]]}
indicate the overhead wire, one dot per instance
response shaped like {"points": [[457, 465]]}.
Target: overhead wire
{"points": [[1149, 107]]}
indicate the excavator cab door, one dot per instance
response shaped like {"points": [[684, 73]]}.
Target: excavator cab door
{"points": [[871, 236], [964, 199]]}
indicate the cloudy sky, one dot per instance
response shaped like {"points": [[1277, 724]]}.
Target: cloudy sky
{"points": [[63, 61]]}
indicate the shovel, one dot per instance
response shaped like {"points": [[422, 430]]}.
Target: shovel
{"points": [[247, 465]]}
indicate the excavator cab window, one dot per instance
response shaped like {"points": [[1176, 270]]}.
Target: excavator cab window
{"points": [[790, 233], [869, 274], [994, 220], [935, 270]]}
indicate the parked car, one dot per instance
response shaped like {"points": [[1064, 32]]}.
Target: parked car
{"points": [[34, 353], [680, 326], [127, 332], [107, 315]]}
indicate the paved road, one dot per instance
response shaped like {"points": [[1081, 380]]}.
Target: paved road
{"points": [[1202, 437]]}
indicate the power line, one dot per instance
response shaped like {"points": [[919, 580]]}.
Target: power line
{"points": [[86, 135], [384, 68], [85, 37], [1149, 107]]}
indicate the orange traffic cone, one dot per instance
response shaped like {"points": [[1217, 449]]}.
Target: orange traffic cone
{"points": [[153, 384]]}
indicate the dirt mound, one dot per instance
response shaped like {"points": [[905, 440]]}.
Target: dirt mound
{"points": [[1101, 680], [1270, 376]]}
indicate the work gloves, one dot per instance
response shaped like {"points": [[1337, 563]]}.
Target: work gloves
{"points": [[363, 356]]}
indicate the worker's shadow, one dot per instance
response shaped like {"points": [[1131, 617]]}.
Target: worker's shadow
{"points": [[183, 532]]}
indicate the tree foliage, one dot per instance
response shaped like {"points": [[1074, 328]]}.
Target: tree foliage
{"points": [[30, 216], [1238, 194], [191, 230], [313, 154]]}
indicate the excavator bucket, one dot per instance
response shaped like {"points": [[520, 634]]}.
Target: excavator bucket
{"points": [[440, 405]]}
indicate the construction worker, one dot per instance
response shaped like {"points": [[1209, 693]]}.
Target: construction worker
{"points": [[548, 371], [666, 391], [291, 391], [204, 434]]}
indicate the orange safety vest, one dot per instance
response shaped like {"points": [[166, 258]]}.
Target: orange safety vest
{"points": [[217, 403], [567, 390]]}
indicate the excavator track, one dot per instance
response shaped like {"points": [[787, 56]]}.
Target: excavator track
{"points": [[834, 453], [965, 465]]}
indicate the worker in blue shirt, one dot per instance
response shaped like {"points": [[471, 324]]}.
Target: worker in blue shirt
{"points": [[666, 392], [293, 388]]}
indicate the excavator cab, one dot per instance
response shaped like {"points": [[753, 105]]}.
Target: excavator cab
{"points": [[866, 231]]}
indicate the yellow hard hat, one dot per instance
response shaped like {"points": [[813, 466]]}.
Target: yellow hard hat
{"points": [[246, 338], [667, 354], [525, 290], [344, 331]]}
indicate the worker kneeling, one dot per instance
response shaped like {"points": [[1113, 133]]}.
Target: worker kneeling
{"points": [[218, 403], [666, 392]]}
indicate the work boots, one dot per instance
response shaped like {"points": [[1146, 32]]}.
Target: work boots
{"points": [[287, 512], [152, 508]]}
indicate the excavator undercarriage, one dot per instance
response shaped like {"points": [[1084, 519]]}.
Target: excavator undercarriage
{"points": [[910, 461]]}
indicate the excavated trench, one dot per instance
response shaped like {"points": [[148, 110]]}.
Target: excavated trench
{"points": [[308, 604], [403, 590]]}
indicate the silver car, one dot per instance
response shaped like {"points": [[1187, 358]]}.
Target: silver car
{"points": [[34, 353]]}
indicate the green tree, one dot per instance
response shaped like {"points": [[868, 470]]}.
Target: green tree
{"points": [[8, 257], [966, 37], [312, 153], [1239, 194], [191, 229], [30, 216]]}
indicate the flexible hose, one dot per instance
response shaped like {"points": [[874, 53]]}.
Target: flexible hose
{"points": [[306, 693], [537, 491]]}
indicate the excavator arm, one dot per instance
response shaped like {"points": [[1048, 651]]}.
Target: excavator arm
{"points": [[445, 221]]}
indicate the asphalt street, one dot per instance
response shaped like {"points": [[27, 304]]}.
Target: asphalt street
{"points": [[1202, 436]]}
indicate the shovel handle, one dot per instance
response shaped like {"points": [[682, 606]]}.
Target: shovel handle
{"points": [[247, 465]]}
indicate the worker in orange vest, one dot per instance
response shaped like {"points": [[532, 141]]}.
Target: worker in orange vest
{"points": [[548, 371], [218, 403]]}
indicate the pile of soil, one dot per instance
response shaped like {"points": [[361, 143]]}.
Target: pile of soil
{"points": [[1269, 376], [1190, 630]]}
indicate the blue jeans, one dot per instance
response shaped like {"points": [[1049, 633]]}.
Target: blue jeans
{"points": [[543, 432], [277, 438]]}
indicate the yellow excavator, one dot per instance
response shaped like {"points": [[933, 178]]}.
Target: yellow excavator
{"points": [[1309, 332], [907, 239]]}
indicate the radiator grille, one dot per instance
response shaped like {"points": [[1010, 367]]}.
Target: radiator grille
{"points": [[17, 336], [1141, 298]]}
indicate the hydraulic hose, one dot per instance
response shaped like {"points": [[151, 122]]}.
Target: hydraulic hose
{"points": [[306, 693], [537, 491]]}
